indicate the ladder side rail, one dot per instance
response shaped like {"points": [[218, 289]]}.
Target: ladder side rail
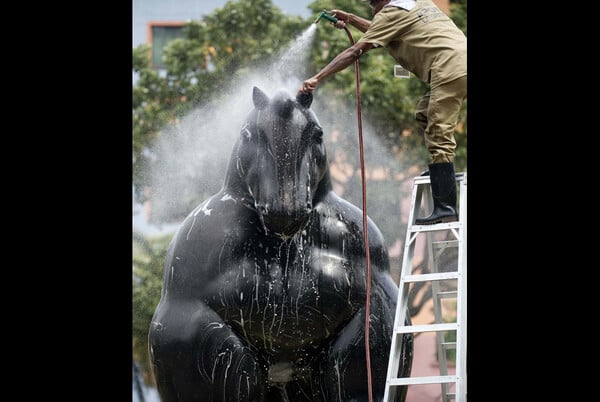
{"points": [[416, 201], [397, 338], [461, 309]]}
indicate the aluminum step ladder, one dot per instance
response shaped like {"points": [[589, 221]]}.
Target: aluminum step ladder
{"points": [[445, 285]]}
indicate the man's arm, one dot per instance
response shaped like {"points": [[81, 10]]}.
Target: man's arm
{"points": [[340, 62], [359, 23]]}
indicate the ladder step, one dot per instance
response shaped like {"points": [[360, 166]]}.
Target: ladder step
{"points": [[452, 294], [438, 379], [438, 245], [438, 276], [448, 345], [407, 329], [433, 228]]}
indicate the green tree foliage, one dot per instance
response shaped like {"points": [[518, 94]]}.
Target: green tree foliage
{"points": [[458, 10], [148, 260]]}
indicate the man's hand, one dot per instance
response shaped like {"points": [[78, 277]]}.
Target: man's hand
{"points": [[309, 85], [342, 17]]}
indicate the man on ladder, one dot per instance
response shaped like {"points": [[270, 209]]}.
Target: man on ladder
{"points": [[425, 41]]}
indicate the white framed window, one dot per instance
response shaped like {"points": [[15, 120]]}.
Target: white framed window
{"points": [[160, 33]]}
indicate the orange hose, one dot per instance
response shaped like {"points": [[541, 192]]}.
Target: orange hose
{"points": [[365, 228]]}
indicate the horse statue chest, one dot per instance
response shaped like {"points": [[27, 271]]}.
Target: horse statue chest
{"points": [[285, 295]]}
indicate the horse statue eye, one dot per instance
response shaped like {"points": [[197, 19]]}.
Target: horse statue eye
{"points": [[318, 134]]}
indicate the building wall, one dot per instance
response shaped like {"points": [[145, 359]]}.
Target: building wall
{"points": [[144, 11]]}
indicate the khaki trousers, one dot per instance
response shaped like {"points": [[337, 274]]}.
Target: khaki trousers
{"points": [[437, 114]]}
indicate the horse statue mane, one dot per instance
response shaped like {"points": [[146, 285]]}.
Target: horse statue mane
{"points": [[264, 284]]}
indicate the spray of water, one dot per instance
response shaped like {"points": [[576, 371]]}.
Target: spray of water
{"points": [[293, 59], [193, 155]]}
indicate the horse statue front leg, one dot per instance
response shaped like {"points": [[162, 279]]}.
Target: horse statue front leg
{"points": [[344, 370], [197, 357]]}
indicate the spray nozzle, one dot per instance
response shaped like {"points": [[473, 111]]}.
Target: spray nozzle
{"points": [[325, 14]]}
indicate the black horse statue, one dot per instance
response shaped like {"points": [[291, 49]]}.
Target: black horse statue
{"points": [[264, 285]]}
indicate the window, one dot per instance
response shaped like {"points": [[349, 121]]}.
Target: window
{"points": [[159, 36]]}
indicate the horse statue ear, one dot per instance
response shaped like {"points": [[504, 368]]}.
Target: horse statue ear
{"points": [[304, 98], [259, 98]]}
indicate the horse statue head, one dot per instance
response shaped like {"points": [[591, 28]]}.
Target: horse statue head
{"points": [[280, 161]]}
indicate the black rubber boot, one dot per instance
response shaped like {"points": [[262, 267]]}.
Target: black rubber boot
{"points": [[443, 191]]}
